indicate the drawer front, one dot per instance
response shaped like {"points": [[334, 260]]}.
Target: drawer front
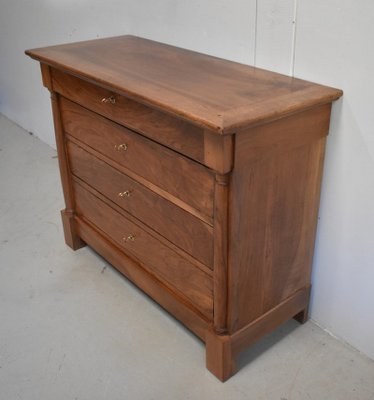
{"points": [[161, 261], [178, 226], [181, 177], [168, 130]]}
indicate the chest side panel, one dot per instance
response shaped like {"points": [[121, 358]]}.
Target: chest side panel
{"points": [[274, 201]]}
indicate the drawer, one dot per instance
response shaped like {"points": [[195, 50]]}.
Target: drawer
{"points": [[184, 179], [164, 263], [178, 226], [157, 125]]}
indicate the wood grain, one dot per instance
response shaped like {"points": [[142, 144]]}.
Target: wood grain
{"points": [[156, 189], [175, 224], [172, 132], [144, 227], [269, 320], [219, 152], [276, 186], [193, 184], [170, 267], [217, 94], [72, 239], [46, 76], [221, 350], [147, 282], [219, 356], [220, 277], [220, 169]]}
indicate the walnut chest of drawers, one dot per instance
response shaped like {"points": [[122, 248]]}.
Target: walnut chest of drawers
{"points": [[196, 177]]}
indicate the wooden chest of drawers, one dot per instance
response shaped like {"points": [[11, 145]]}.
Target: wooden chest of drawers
{"points": [[196, 177]]}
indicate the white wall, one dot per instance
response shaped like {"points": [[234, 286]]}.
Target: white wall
{"points": [[335, 45], [327, 41]]}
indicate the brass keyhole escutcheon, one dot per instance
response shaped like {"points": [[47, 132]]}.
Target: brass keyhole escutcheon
{"points": [[130, 238], [121, 147], [111, 100], [126, 193]]}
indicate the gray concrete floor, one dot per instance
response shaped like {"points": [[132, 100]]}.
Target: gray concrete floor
{"points": [[71, 327]]}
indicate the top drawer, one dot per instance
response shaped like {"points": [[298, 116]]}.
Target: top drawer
{"points": [[163, 128]]}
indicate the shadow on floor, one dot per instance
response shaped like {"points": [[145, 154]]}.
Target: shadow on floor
{"points": [[266, 343]]}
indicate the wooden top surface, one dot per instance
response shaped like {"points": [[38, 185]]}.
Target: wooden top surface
{"points": [[217, 94]]}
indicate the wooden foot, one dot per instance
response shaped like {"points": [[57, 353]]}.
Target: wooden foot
{"points": [[302, 316], [219, 357], [221, 350], [71, 237]]}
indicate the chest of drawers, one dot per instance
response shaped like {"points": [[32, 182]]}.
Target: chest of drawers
{"points": [[196, 177]]}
